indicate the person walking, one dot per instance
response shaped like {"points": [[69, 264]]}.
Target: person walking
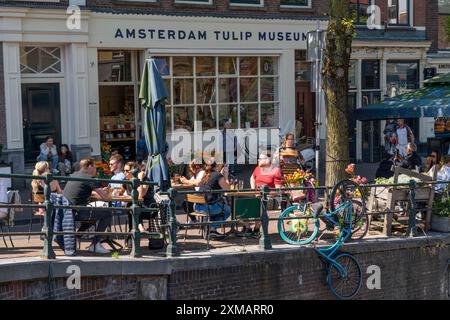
{"points": [[404, 136]]}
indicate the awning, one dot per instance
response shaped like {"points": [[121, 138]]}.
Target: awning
{"points": [[433, 100]]}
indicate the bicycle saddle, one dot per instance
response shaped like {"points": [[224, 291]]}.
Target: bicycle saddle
{"points": [[317, 208]]}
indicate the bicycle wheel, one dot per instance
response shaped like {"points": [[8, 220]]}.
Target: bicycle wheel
{"points": [[301, 229], [360, 221], [346, 190], [345, 285]]}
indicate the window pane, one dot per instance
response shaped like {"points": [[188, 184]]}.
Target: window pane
{"points": [[370, 74], [228, 90], [183, 66], [228, 113], [168, 119], [269, 89], [206, 91], [163, 64], [36, 60], [269, 66], [370, 98], [227, 65], [302, 67], [114, 66], [248, 66], [401, 77], [183, 91], [352, 75], [207, 115], [249, 89], [167, 85], [403, 12], [393, 11], [183, 118], [246, 1], [249, 116], [205, 66], [359, 10], [301, 3], [269, 115]]}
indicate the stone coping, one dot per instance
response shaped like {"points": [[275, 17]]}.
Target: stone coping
{"points": [[21, 269]]}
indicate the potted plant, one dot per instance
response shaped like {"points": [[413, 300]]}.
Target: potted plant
{"points": [[440, 220]]}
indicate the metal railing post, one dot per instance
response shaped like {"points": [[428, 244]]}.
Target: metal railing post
{"points": [[264, 241], [47, 227], [412, 230], [172, 248], [135, 214]]}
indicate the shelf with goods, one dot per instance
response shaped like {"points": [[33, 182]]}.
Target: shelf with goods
{"points": [[120, 132]]}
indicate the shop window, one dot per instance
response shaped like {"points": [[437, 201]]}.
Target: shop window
{"points": [[359, 10], [398, 12], [295, 3], [258, 3], [401, 77], [40, 60], [114, 66], [370, 74], [215, 90]]}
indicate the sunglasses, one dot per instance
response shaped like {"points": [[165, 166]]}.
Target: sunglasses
{"points": [[126, 171], [112, 163]]}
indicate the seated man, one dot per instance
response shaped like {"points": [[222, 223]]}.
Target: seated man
{"points": [[49, 152], [79, 193], [412, 160]]}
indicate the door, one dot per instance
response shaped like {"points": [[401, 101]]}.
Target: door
{"points": [[371, 145], [352, 128], [41, 116], [305, 109]]}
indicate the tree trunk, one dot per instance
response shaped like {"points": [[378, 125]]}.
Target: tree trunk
{"points": [[336, 62]]}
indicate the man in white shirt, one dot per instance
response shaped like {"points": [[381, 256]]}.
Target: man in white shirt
{"points": [[404, 136], [116, 164]]}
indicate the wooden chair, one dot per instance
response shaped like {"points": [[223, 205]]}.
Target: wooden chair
{"points": [[200, 215], [389, 197]]}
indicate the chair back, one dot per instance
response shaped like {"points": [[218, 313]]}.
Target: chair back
{"points": [[196, 198]]}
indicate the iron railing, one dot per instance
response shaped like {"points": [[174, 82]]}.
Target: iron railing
{"points": [[172, 225]]}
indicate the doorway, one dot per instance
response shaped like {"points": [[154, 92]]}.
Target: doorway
{"points": [[371, 141], [305, 109], [41, 116]]}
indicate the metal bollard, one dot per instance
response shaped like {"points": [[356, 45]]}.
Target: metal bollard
{"points": [[264, 241], [172, 248], [136, 213], [47, 227], [412, 230]]}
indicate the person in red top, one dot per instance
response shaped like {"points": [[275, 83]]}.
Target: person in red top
{"points": [[266, 174]]}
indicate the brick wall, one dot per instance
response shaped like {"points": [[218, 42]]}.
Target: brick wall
{"points": [[409, 269], [432, 23], [2, 101], [271, 7]]}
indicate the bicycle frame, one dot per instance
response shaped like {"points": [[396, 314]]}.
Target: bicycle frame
{"points": [[345, 233]]}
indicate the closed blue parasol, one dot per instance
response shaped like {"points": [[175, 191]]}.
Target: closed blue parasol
{"points": [[153, 94], [433, 100]]}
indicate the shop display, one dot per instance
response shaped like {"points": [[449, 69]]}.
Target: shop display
{"points": [[120, 132]]}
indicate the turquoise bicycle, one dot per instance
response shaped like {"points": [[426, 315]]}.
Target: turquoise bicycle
{"points": [[342, 270]]}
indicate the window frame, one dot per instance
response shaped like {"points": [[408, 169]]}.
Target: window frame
{"points": [[357, 18], [209, 2], [293, 6], [260, 5], [408, 18], [217, 105]]}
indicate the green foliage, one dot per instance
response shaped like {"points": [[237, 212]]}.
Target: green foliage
{"points": [[447, 27], [443, 204], [115, 255]]}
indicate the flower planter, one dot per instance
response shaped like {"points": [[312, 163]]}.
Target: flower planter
{"points": [[441, 224]]}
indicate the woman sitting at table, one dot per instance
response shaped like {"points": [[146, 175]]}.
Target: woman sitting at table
{"points": [[216, 205], [197, 173], [42, 168], [264, 174], [288, 154]]}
